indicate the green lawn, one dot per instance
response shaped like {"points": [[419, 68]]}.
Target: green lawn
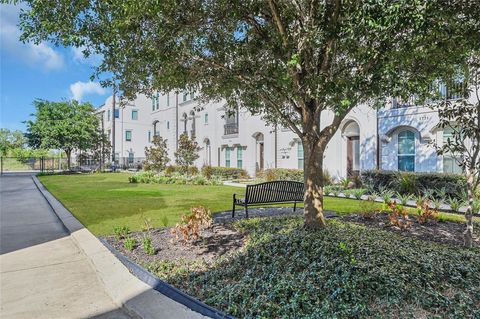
{"points": [[102, 201]]}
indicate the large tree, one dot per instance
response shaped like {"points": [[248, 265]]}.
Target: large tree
{"points": [[298, 62], [67, 125], [10, 140]]}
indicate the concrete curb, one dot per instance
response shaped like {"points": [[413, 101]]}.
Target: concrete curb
{"points": [[126, 290]]}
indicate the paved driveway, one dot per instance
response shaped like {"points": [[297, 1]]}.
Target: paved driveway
{"points": [[43, 273]]}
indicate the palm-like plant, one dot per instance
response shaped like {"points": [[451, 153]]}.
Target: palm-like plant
{"points": [[455, 204], [404, 199], [387, 196], [358, 193]]}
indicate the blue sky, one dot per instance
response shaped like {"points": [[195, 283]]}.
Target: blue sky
{"points": [[29, 71]]}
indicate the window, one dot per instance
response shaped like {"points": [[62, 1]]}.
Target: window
{"points": [[356, 153], [128, 136], [205, 118], [134, 115], [109, 134], [240, 157], [300, 155], [158, 101], [149, 136], [406, 151], [192, 95], [450, 162], [108, 115], [168, 125], [153, 103], [227, 157], [130, 157], [117, 113], [168, 99], [185, 96]]}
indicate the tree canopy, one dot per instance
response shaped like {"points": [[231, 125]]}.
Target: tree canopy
{"points": [[66, 125], [288, 61]]}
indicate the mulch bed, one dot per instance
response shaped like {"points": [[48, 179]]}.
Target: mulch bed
{"points": [[442, 232], [216, 241]]}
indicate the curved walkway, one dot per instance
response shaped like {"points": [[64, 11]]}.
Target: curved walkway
{"points": [[52, 268]]}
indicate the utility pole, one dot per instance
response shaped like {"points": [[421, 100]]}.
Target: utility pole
{"points": [[176, 124], [113, 129]]}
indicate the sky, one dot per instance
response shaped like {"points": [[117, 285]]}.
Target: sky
{"points": [[29, 71]]}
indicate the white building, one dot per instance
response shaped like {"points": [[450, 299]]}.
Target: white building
{"points": [[396, 137]]}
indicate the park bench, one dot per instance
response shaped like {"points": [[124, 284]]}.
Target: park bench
{"points": [[270, 193]]}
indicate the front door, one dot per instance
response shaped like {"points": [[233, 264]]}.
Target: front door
{"points": [[261, 156]]}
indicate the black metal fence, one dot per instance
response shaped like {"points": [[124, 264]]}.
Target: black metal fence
{"points": [[32, 164], [58, 164]]}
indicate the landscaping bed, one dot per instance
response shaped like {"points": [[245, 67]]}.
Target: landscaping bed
{"points": [[216, 241], [273, 268], [441, 232]]}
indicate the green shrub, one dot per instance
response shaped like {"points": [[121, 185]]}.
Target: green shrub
{"points": [[207, 171], [281, 174], [229, 173], [129, 243], [453, 184]]}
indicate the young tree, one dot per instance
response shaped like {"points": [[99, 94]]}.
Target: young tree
{"points": [[67, 125], [99, 149], [300, 63], [156, 156], [462, 118], [187, 152]]}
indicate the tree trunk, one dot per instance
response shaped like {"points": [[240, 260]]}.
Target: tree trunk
{"points": [[68, 153], [468, 234], [313, 178]]}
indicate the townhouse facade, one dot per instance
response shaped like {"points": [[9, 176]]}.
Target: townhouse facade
{"points": [[396, 137]]}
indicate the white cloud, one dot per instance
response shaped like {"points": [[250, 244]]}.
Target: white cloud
{"points": [[33, 54], [79, 89], [78, 57]]}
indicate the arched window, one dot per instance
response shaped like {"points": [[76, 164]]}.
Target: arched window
{"points": [[406, 151], [185, 123], [193, 131]]}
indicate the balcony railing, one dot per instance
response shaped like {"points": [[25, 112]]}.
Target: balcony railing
{"points": [[439, 91], [231, 128]]}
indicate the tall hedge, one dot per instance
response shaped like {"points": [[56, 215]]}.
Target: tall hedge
{"points": [[415, 183]]}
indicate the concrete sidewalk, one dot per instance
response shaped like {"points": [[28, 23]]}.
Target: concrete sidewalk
{"points": [[53, 267], [43, 272]]}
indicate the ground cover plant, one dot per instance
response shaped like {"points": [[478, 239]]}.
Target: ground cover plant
{"points": [[345, 270]]}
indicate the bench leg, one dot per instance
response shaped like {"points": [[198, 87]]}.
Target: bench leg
{"points": [[246, 210], [294, 206]]}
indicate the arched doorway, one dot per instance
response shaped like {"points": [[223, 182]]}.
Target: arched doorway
{"points": [[351, 132], [185, 120], [260, 151], [193, 130], [155, 128]]}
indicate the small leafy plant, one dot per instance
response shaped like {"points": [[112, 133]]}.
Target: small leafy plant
{"points": [[190, 226], [358, 193], [398, 216], [426, 214], [129, 243], [455, 204], [121, 232], [387, 196], [368, 209], [404, 199], [147, 245]]}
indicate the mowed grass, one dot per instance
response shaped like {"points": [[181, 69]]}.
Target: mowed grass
{"points": [[103, 201]]}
